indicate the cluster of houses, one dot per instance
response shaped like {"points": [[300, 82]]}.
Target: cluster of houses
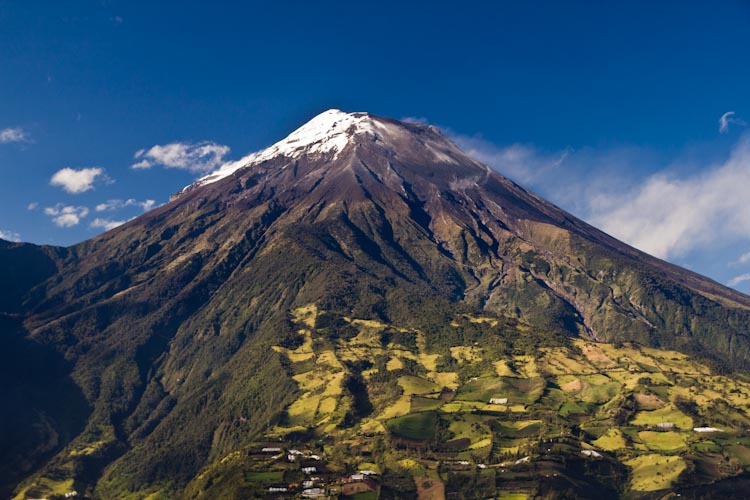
{"points": [[319, 481], [317, 487]]}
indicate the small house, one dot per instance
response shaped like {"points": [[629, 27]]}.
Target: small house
{"points": [[592, 453], [362, 486], [498, 401]]}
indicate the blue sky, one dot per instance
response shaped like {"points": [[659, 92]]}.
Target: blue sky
{"points": [[611, 111]]}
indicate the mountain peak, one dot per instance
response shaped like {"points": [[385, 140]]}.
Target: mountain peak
{"points": [[328, 132]]}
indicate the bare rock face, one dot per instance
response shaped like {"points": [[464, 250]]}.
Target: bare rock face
{"points": [[165, 323]]}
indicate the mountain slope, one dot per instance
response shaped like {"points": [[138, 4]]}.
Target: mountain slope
{"points": [[168, 322]]}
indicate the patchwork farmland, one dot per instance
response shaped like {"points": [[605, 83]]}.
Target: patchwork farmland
{"points": [[499, 419]]}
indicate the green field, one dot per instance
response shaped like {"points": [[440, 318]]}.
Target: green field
{"points": [[425, 404], [365, 495], [662, 441], [417, 385], [667, 414], [264, 476], [419, 426], [517, 390]]}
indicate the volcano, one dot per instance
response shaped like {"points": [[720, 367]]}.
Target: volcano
{"points": [[140, 361]]}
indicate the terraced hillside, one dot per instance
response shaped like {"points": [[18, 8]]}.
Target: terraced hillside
{"points": [[495, 416]]}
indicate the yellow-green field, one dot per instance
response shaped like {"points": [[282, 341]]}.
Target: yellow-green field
{"points": [[654, 472], [613, 440], [666, 414]]}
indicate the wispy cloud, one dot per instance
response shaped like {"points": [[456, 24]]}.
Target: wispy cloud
{"points": [[118, 204], [744, 258], [670, 215], [681, 208], [739, 279], [521, 162], [730, 118], [10, 236], [77, 181], [419, 120], [14, 134], [66, 215], [32, 206], [199, 158], [107, 224]]}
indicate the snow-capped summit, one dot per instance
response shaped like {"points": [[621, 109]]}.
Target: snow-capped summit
{"points": [[328, 132]]}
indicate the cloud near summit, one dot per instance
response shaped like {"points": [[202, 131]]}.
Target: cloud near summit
{"points": [[200, 158], [669, 213]]}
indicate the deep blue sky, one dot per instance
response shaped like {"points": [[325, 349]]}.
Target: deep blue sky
{"points": [[629, 89]]}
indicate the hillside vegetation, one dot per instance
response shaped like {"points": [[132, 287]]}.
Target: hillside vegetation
{"points": [[580, 416]]}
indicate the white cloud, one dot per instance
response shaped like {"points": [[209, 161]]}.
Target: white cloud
{"points": [[66, 215], [671, 215], [686, 206], [107, 224], [201, 157], [77, 181], [10, 236], [14, 134], [32, 206], [739, 279], [118, 204], [727, 119], [521, 162], [418, 120], [744, 258]]}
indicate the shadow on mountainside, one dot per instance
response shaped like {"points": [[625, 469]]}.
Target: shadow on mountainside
{"points": [[42, 409]]}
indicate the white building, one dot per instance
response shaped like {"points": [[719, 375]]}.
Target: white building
{"points": [[498, 401], [313, 493]]}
